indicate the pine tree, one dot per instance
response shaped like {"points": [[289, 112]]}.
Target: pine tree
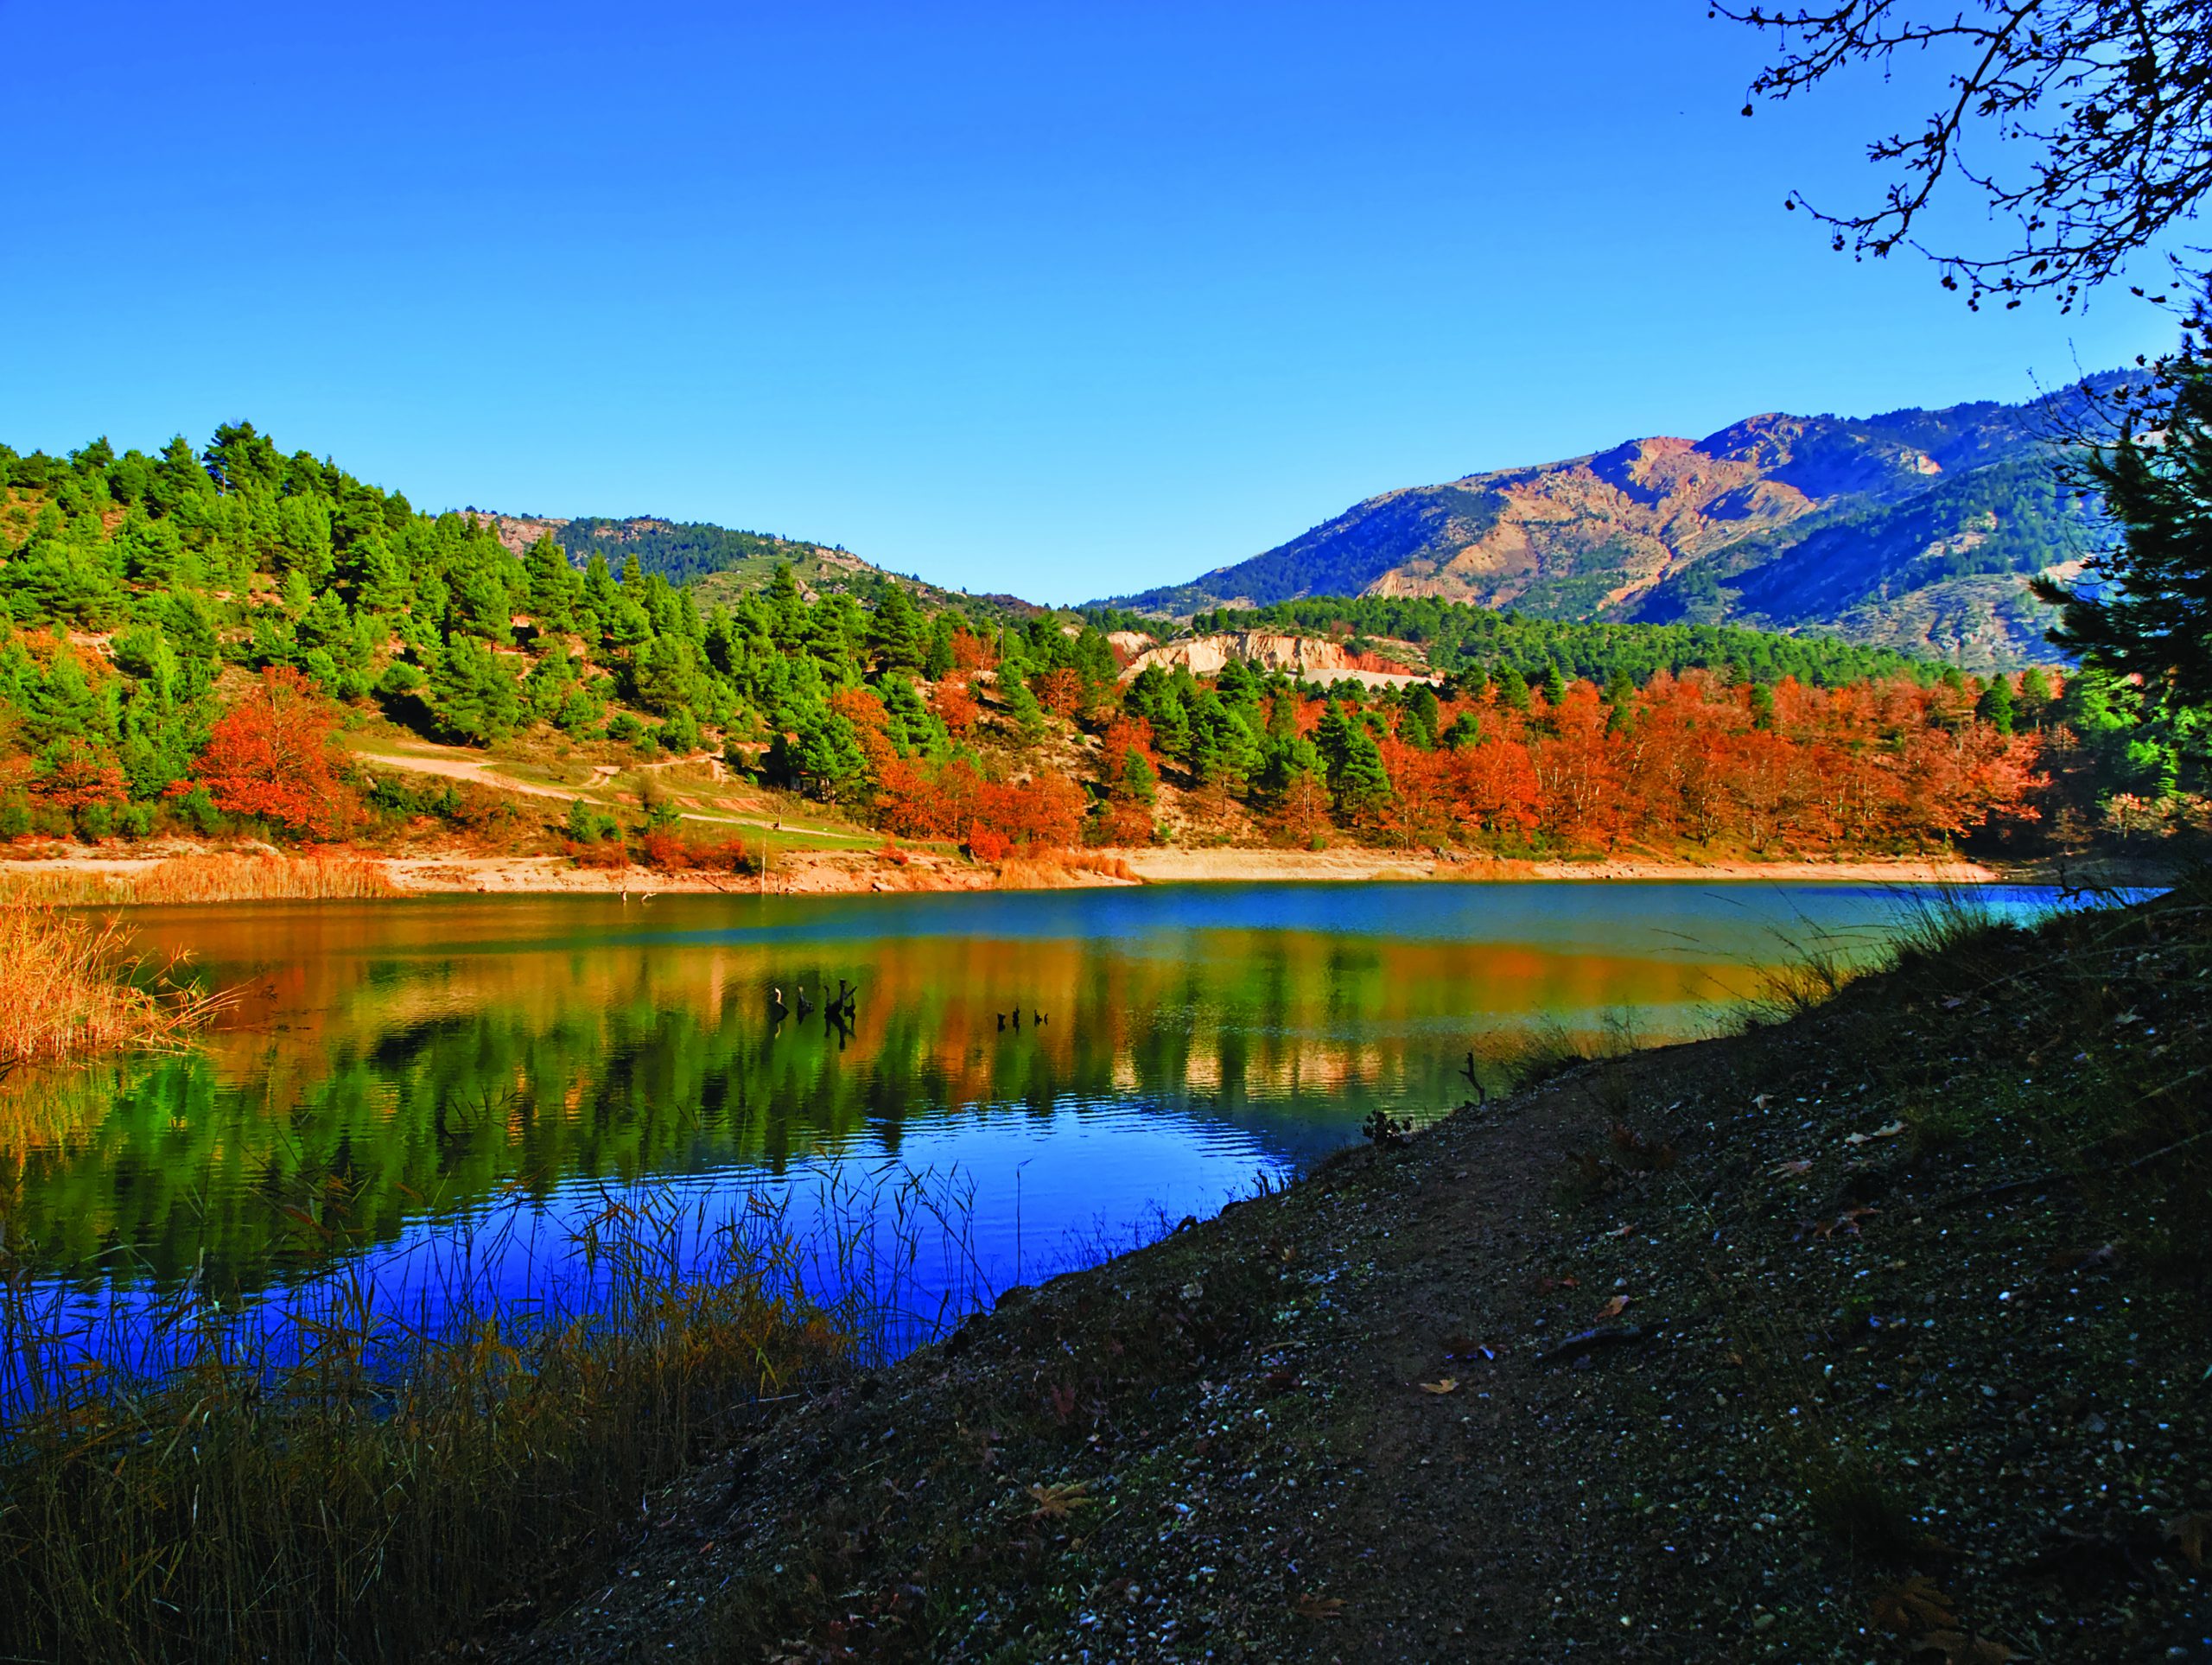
{"points": [[1995, 706], [554, 586], [2146, 610], [1363, 785], [1025, 716], [1333, 738], [894, 634], [1138, 780]]}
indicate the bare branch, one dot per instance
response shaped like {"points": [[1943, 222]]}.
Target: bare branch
{"points": [[2095, 117]]}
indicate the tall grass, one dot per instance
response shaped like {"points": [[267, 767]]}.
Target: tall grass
{"points": [[1817, 963], [215, 876], [342, 1471], [1056, 869], [71, 987]]}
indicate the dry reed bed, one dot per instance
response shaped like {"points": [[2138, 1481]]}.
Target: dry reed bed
{"points": [[1057, 870], [216, 876], [70, 987]]}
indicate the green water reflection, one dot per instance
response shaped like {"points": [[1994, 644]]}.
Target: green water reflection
{"points": [[389, 1065]]}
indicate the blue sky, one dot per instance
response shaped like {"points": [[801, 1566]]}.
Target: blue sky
{"points": [[1064, 300]]}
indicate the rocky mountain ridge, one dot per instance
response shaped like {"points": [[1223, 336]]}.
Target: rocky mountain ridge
{"points": [[1914, 528]]}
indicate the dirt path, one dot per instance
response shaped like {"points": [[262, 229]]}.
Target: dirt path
{"points": [[454, 764]]}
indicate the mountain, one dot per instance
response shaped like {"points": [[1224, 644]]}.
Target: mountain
{"points": [[1914, 528]]}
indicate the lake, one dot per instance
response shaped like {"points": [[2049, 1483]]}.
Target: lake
{"points": [[395, 1072]]}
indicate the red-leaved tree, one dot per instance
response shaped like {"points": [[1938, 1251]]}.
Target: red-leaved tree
{"points": [[271, 756]]}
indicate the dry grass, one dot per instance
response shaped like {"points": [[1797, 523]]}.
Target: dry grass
{"points": [[334, 1481], [1057, 869], [216, 876], [70, 987], [345, 1470]]}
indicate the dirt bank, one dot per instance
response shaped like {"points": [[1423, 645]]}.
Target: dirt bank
{"points": [[1876, 1335], [109, 873], [73, 875], [1159, 866]]}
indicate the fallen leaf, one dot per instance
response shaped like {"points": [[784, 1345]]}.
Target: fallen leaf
{"points": [[1800, 1167], [1761, 1101], [1449, 1384], [1318, 1607], [1057, 1502], [1952, 1002], [1915, 1604], [2127, 1017], [1889, 1132], [1614, 1308], [1545, 1286], [1624, 1230], [1465, 1347], [1847, 1221]]}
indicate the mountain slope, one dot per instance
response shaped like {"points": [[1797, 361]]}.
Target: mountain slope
{"points": [[1914, 528]]}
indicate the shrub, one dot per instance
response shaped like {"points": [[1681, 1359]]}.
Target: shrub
{"points": [[670, 853]]}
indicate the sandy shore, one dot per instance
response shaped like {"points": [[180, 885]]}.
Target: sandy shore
{"points": [[803, 872], [1170, 866], [836, 873]]}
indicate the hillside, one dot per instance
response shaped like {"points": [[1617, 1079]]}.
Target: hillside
{"points": [[721, 563], [1914, 528]]}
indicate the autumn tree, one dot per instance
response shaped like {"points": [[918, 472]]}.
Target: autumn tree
{"points": [[273, 756], [955, 706]]}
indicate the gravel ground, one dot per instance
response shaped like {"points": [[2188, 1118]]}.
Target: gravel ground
{"points": [[1878, 1333]]}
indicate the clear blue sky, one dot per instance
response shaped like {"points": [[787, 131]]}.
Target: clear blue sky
{"points": [[1058, 299]]}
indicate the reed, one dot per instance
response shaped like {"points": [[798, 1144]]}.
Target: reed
{"points": [[213, 876], [340, 1471], [1056, 869], [70, 987], [1817, 964]]}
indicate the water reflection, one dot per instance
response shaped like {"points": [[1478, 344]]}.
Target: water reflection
{"points": [[390, 1066]]}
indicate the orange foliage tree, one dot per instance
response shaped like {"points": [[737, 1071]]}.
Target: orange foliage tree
{"points": [[272, 756], [971, 651], [1886, 765], [992, 817], [954, 704], [1058, 691], [75, 776]]}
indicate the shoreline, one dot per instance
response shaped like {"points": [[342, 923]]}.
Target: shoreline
{"points": [[106, 877], [1622, 1364], [1351, 866]]}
